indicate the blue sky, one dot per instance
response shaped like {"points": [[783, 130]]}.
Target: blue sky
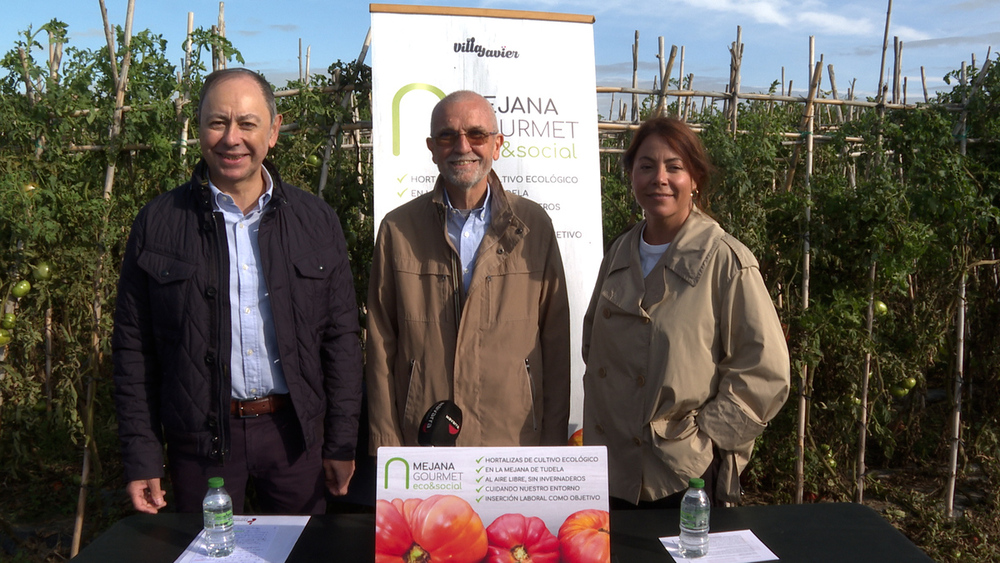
{"points": [[938, 35]]}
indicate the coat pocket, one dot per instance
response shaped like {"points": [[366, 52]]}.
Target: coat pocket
{"points": [[682, 446]]}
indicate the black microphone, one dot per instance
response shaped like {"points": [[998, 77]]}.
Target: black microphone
{"points": [[441, 425]]}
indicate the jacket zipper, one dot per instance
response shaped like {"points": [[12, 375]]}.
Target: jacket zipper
{"points": [[531, 388], [224, 396], [457, 291]]}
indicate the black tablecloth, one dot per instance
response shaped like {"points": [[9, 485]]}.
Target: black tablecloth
{"points": [[813, 533]]}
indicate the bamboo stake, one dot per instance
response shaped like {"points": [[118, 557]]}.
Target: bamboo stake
{"points": [[859, 495], [184, 81], [110, 37], [804, 378], [331, 137], [923, 81], [736, 60], [956, 408], [635, 77], [833, 91], [96, 358], [665, 71], [885, 47], [223, 63], [681, 108], [300, 60], [308, 58], [806, 116]]}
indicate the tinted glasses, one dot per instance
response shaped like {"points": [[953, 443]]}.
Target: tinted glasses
{"points": [[449, 137]]}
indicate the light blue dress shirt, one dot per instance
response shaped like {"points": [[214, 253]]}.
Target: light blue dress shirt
{"points": [[254, 362], [466, 229]]}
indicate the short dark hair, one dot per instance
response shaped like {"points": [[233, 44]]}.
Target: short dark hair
{"points": [[684, 142], [265, 87]]}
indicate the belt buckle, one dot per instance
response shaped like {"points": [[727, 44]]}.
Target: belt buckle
{"points": [[240, 412]]}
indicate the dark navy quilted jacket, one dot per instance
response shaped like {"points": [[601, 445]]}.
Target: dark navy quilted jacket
{"points": [[171, 339]]}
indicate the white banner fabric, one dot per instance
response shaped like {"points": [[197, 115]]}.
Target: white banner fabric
{"points": [[540, 77]]}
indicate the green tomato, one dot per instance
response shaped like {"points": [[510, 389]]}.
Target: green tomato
{"points": [[4, 336], [21, 289], [39, 406], [42, 271], [313, 160], [8, 320], [908, 383], [881, 309], [898, 392]]}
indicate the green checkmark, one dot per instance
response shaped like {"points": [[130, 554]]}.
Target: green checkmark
{"points": [[400, 194], [400, 179], [478, 479], [478, 470], [480, 460], [479, 489], [479, 499]]}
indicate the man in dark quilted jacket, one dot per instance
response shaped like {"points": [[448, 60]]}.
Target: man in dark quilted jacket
{"points": [[236, 329]]}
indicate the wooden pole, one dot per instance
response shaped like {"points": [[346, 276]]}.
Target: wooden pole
{"points": [[184, 83], [335, 128], [635, 77], [804, 377], [833, 91], [859, 494], [666, 69], [736, 60], [222, 63], [923, 81], [956, 405], [885, 47], [681, 107]]}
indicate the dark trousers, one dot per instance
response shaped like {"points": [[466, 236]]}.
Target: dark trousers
{"points": [[674, 501], [266, 450]]}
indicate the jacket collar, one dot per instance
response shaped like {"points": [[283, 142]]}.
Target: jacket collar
{"points": [[688, 253], [203, 195]]}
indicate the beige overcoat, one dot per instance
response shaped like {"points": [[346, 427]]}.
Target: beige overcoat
{"points": [[502, 352], [690, 356]]}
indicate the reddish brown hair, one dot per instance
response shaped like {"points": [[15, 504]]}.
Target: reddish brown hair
{"points": [[684, 142]]}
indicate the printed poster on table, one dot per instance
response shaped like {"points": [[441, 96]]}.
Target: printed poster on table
{"points": [[467, 502], [537, 70]]}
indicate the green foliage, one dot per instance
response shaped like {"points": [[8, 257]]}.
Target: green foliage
{"points": [[904, 198]]}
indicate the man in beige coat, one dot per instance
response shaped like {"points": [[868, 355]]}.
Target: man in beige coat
{"points": [[467, 300]]}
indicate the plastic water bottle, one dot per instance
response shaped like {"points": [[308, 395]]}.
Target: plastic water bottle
{"points": [[695, 509], [217, 508]]}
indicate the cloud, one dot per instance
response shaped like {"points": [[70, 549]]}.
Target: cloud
{"points": [[825, 22], [287, 28], [980, 41]]}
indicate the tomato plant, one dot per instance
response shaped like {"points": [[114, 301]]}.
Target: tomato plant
{"points": [[515, 538], [585, 537], [438, 528]]}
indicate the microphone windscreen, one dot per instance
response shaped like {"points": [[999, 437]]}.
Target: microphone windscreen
{"points": [[441, 425]]}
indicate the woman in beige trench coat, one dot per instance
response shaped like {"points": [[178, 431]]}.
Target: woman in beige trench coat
{"points": [[686, 359]]}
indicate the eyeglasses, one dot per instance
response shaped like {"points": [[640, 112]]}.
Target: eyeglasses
{"points": [[475, 137]]}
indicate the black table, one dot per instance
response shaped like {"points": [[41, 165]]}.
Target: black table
{"points": [[811, 533]]}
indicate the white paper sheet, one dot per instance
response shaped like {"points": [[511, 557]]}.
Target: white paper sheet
{"points": [[730, 547], [259, 539]]}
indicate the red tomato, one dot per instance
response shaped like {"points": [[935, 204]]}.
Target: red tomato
{"points": [[441, 528], [585, 537], [576, 439], [515, 538]]}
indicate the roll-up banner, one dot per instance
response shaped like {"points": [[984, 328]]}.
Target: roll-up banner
{"points": [[537, 69]]}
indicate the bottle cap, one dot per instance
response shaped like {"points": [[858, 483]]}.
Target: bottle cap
{"points": [[215, 482], [696, 483]]}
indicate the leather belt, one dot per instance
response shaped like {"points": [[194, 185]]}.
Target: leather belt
{"points": [[255, 407]]}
